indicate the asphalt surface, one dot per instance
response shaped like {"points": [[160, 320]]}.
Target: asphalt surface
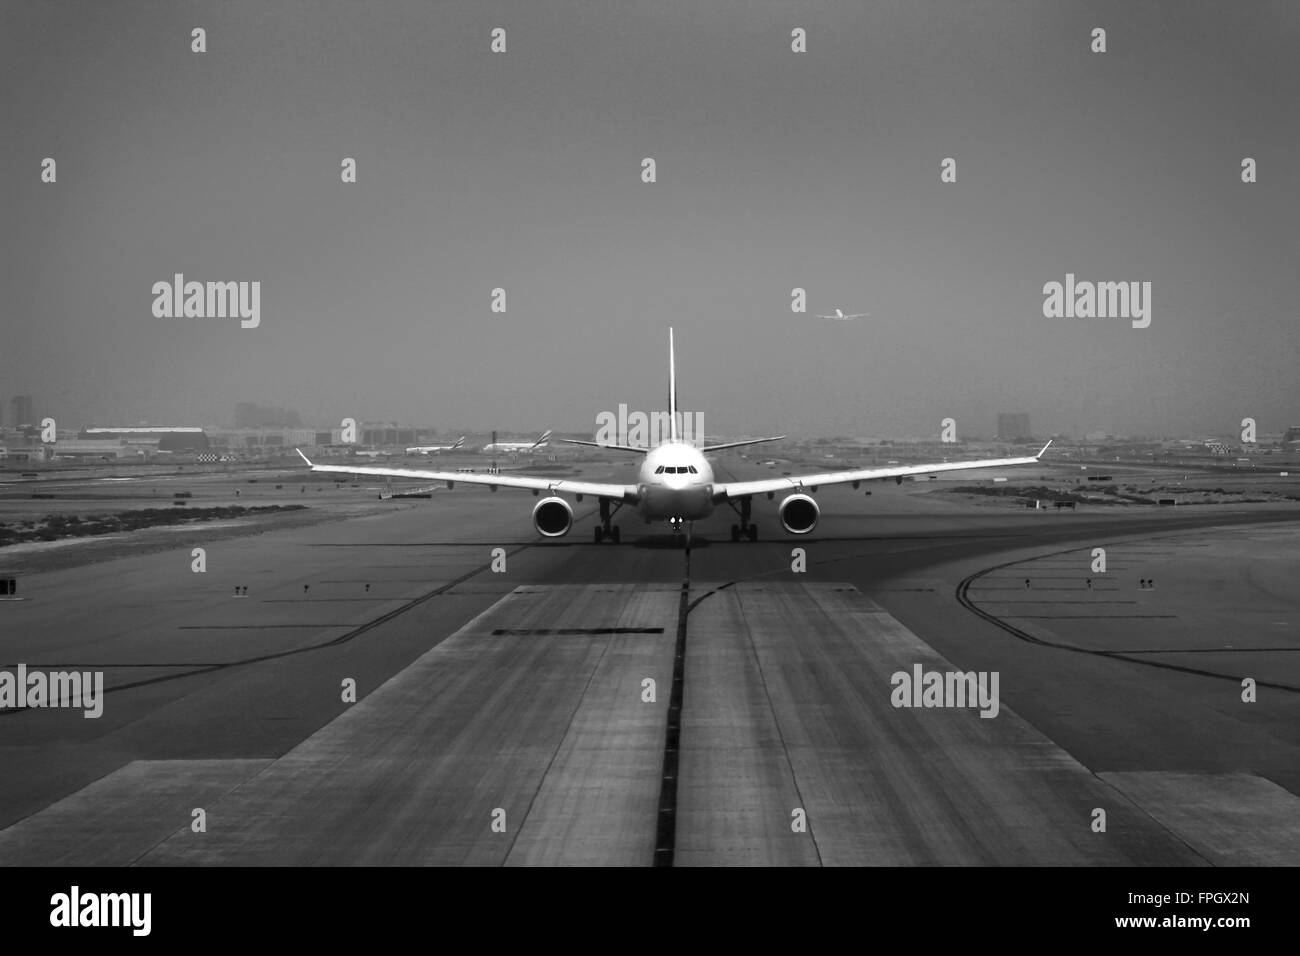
{"points": [[504, 716]]}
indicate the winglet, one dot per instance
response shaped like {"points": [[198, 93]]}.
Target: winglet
{"points": [[304, 458], [1045, 447]]}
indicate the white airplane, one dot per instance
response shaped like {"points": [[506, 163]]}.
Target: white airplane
{"points": [[435, 449], [675, 483], [514, 447], [839, 314]]}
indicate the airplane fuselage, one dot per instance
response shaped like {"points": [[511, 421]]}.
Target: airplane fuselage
{"points": [[676, 483]]}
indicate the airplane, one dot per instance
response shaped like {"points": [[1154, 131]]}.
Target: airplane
{"points": [[839, 314], [435, 449], [514, 447], [676, 484]]}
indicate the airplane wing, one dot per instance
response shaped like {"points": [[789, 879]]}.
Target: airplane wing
{"points": [[627, 493], [740, 489], [596, 444], [738, 444]]}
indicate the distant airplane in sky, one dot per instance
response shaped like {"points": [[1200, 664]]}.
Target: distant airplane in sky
{"points": [[839, 314], [676, 483]]}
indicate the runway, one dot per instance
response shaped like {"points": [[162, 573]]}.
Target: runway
{"points": [[504, 716]]}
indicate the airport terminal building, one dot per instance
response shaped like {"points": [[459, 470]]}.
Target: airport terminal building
{"points": [[151, 438]]}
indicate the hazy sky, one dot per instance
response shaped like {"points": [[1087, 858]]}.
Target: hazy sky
{"points": [[775, 170]]}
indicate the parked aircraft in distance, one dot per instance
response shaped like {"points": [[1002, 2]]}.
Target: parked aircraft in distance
{"points": [[513, 447], [435, 449]]}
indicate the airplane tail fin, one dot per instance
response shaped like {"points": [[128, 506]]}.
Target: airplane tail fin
{"points": [[672, 389]]}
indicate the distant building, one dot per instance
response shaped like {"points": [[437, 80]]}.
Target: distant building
{"points": [[1292, 434], [156, 437], [22, 410], [389, 434], [111, 448], [1014, 426]]}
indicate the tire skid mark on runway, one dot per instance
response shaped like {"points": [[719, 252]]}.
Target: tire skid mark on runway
{"points": [[666, 825], [253, 627], [966, 601], [1094, 617], [198, 670]]}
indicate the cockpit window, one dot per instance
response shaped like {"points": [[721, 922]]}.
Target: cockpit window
{"points": [[692, 470], [659, 470]]}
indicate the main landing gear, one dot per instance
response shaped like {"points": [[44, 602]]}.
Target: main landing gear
{"points": [[604, 530], [745, 529]]}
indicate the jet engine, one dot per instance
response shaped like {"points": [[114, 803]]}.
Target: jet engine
{"points": [[552, 517], [799, 514]]}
